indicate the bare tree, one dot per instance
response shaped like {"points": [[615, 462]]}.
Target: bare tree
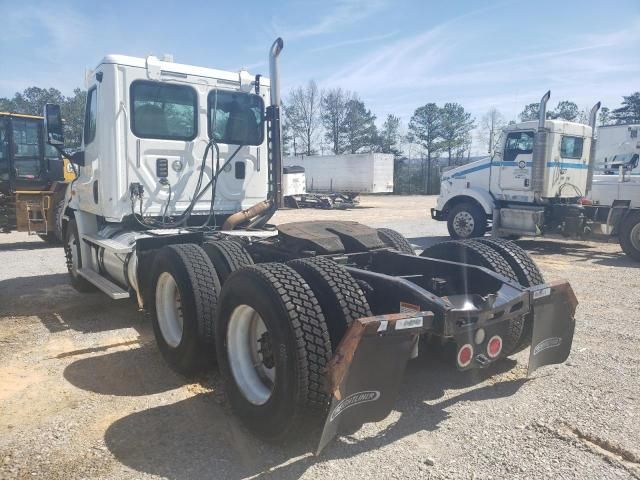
{"points": [[334, 117], [303, 114], [491, 125]]}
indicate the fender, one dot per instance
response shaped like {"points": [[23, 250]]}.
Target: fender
{"points": [[480, 195]]}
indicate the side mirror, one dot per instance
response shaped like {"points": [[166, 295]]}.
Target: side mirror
{"points": [[53, 130]]}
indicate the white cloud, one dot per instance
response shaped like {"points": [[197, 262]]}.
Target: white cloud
{"points": [[344, 13]]}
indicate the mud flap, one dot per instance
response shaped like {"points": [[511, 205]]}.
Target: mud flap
{"points": [[554, 306], [366, 370]]}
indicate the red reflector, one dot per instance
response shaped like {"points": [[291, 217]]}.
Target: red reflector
{"points": [[494, 346], [465, 355]]}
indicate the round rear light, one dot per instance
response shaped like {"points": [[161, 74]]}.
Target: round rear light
{"points": [[465, 355], [494, 346]]}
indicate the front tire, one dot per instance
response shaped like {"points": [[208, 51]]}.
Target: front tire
{"points": [[466, 220], [182, 302], [73, 257], [273, 347], [630, 235]]}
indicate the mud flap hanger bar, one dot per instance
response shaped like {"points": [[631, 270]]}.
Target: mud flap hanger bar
{"points": [[367, 369]]}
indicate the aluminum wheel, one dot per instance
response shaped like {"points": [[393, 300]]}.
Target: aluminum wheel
{"points": [[250, 354], [169, 309], [463, 224]]}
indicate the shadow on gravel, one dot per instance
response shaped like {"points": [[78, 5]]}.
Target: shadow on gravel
{"points": [[132, 372], [197, 437], [31, 245], [579, 252], [59, 307]]}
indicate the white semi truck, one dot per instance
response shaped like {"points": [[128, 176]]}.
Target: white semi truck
{"points": [[310, 322], [542, 180]]}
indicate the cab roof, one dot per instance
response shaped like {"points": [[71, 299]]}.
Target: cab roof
{"points": [[176, 68], [556, 126]]}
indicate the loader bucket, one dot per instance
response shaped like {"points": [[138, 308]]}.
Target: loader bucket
{"points": [[554, 307], [365, 372]]}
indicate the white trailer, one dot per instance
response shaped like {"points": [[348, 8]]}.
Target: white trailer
{"points": [[353, 173], [541, 180]]}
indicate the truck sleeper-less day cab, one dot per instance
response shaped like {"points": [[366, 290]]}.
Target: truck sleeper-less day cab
{"points": [[311, 322], [541, 180]]}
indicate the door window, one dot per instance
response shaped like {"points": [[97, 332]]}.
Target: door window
{"points": [[26, 147], [90, 116], [4, 151], [518, 143], [571, 147], [163, 111]]}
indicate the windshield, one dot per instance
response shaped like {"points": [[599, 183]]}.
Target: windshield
{"points": [[235, 118], [4, 150]]}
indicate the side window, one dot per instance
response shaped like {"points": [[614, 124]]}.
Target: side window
{"points": [[163, 111], [571, 147], [518, 143], [90, 116], [235, 117]]}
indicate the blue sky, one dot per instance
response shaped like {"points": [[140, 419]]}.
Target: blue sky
{"points": [[397, 55]]}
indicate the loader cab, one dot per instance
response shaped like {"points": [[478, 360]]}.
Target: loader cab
{"points": [[147, 126], [27, 162]]}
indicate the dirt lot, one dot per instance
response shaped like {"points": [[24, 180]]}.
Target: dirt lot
{"points": [[84, 392]]}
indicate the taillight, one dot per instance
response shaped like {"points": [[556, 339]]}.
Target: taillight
{"points": [[465, 355], [494, 346]]}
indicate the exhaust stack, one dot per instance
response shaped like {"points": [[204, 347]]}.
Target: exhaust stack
{"points": [[539, 149], [592, 151], [275, 129]]}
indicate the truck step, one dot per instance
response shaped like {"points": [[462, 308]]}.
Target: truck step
{"points": [[108, 287], [107, 244]]}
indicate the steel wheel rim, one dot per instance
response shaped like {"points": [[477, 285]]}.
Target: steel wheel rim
{"points": [[250, 364], [634, 236], [169, 309], [463, 224]]}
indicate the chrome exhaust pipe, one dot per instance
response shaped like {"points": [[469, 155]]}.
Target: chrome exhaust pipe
{"points": [[275, 128], [539, 150], [592, 151]]}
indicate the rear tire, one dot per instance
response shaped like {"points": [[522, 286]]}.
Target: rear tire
{"points": [[630, 235], [275, 382], [466, 220], [227, 256], [341, 298], [475, 253], [528, 275], [73, 258], [182, 303], [395, 240]]}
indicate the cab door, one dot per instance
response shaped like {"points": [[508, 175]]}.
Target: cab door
{"points": [[27, 169], [515, 168], [4, 156]]}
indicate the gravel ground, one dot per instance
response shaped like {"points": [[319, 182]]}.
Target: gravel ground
{"points": [[84, 392]]}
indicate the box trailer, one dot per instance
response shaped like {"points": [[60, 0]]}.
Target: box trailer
{"points": [[353, 173]]}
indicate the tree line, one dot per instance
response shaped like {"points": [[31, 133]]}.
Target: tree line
{"points": [[337, 121]]}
